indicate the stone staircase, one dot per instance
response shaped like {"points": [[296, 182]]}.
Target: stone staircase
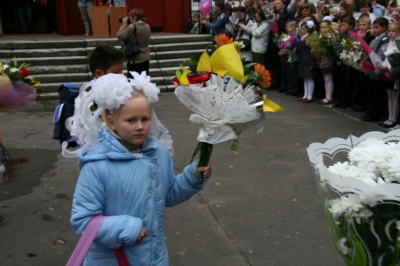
{"points": [[59, 61]]}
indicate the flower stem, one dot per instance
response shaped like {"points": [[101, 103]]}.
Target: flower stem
{"points": [[205, 150]]}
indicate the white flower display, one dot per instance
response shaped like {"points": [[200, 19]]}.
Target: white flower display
{"points": [[111, 91], [361, 196]]}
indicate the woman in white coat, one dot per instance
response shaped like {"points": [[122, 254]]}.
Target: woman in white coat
{"points": [[259, 42]]}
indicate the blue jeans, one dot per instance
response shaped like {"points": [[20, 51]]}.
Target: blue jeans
{"points": [[25, 17]]}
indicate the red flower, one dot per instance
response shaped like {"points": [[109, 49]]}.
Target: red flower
{"points": [[108, 4], [23, 72]]}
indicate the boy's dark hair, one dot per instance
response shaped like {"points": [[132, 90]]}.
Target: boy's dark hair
{"points": [[349, 20], [381, 21], [220, 4], [103, 57], [241, 9]]}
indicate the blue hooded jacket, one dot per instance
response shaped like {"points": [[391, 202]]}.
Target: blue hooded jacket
{"points": [[132, 192]]}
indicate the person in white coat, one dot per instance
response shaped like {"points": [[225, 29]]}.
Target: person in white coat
{"points": [[260, 32], [242, 32]]}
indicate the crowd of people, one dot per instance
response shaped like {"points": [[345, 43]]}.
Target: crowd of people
{"points": [[301, 72]]}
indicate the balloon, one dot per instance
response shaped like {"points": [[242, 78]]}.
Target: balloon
{"points": [[205, 6]]}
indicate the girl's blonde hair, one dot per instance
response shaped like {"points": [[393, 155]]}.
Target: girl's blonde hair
{"points": [[116, 113], [396, 24]]}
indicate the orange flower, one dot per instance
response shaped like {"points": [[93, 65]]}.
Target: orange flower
{"points": [[262, 76], [222, 39]]}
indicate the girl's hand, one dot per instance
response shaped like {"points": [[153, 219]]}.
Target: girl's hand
{"points": [[281, 52], [384, 70], [204, 170], [141, 235]]}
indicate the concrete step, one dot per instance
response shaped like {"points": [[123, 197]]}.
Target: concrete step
{"points": [[65, 52], [181, 46], [181, 39], [59, 69], [172, 63], [51, 61], [42, 44], [177, 54], [61, 78]]}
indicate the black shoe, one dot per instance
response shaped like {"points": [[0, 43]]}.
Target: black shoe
{"points": [[359, 109], [295, 93], [368, 118], [338, 104], [288, 93], [281, 90], [344, 105]]}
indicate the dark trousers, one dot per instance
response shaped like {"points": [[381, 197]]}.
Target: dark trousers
{"points": [[362, 89], [376, 98], [138, 67], [348, 79], [289, 79]]}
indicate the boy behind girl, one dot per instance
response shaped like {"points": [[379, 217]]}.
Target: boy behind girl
{"points": [[377, 87], [104, 59]]}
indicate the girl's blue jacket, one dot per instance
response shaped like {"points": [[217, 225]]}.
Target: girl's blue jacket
{"points": [[133, 192]]}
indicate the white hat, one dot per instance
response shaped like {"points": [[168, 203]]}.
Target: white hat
{"points": [[327, 18]]}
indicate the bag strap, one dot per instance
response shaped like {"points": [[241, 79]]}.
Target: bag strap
{"points": [[134, 31], [86, 241], [241, 30]]}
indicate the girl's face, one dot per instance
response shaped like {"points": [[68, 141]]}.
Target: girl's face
{"points": [[333, 13], [392, 32], [350, 2], [279, 6], [305, 12], [342, 11], [364, 9], [133, 123], [303, 30], [324, 27], [290, 28]]}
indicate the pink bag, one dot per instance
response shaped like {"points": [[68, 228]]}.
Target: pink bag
{"points": [[86, 241]]}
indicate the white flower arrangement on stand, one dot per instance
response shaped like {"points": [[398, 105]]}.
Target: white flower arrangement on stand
{"points": [[361, 196]]}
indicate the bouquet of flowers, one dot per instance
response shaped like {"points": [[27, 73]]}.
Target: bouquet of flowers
{"points": [[287, 42], [351, 52], [361, 196], [224, 95], [323, 44], [17, 86]]}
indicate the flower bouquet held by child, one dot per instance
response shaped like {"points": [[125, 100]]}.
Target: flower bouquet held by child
{"points": [[17, 86], [361, 195], [127, 174], [225, 102], [288, 43]]}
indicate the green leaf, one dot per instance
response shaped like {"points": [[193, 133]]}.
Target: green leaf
{"points": [[396, 261], [361, 251], [178, 73]]}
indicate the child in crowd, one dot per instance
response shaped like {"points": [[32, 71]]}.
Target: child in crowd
{"points": [[393, 32], [348, 73], [306, 59], [326, 66], [362, 79], [289, 63], [376, 95], [127, 174]]}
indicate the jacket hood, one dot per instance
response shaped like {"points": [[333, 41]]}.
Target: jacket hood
{"points": [[110, 148]]}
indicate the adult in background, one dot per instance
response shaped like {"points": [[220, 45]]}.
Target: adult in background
{"points": [[140, 62], [218, 25], [25, 15], [85, 7], [259, 43], [249, 5], [243, 30]]}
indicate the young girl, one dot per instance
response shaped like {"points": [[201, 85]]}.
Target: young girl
{"points": [[126, 174], [393, 106], [326, 66], [306, 68]]}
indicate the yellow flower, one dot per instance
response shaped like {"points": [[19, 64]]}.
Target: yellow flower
{"points": [[222, 39], [36, 85], [262, 76]]}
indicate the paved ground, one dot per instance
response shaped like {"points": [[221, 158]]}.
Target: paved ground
{"points": [[261, 206]]}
